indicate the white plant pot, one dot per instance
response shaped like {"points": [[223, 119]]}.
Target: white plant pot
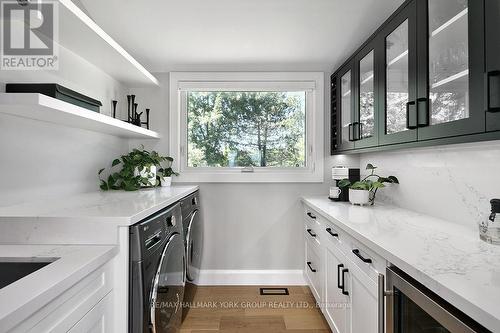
{"points": [[151, 175], [359, 197], [166, 181]]}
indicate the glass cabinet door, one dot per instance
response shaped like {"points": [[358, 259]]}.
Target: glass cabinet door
{"points": [[399, 97], [447, 108], [346, 104], [448, 61], [366, 98]]}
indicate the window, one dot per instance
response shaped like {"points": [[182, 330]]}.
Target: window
{"points": [[247, 127]]}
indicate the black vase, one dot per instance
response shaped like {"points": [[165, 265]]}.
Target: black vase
{"points": [[114, 107]]}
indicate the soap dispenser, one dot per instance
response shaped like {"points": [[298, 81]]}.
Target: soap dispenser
{"points": [[489, 230]]}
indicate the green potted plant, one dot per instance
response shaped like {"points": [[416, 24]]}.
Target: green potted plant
{"points": [[166, 172], [363, 192], [138, 169]]}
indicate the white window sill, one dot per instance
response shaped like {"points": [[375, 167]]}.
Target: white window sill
{"points": [[255, 177]]}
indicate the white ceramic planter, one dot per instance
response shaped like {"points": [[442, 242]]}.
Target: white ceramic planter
{"points": [[166, 181], [151, 175], [359, 197]]}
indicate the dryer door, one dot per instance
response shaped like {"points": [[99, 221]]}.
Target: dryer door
{"points": [[167, 290], [194, 246]]}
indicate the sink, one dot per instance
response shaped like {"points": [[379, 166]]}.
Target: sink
{"points": [[13, 269]]}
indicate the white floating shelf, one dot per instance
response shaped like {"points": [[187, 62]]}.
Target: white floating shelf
{"points": [[81, 35], [48, 109]]}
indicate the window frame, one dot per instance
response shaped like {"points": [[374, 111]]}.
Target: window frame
{"points": [[310, 82]]}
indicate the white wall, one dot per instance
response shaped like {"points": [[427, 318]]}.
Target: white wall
{"points": [[41, 159], [455, 182], [248, 226]]}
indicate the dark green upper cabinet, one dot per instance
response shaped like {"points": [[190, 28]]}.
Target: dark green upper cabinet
{"points": [[435, 66], [366, 98], [450, 68], [399, 74], [492, 89]]}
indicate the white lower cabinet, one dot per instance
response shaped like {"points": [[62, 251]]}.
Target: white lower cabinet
{"points": [[87, 306], [314, 270], [336, 304], [363, 301], [347, 286]]}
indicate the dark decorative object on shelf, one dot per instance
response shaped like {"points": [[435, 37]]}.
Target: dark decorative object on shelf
{"points": [[147, 119], [129, 101], [55, 91], [114, 107], [134, 118]]}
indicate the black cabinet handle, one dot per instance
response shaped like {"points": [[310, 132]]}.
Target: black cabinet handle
{"points": [[310, 233], [408, 126], [495, 92], [363, 259], [339, 285], [311, 216], [309, 265], [422, 114], [345, 292], [334, 234], [351, 132], [355, 131]]}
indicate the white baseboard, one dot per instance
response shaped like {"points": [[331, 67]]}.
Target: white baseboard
{"points": [[251, 277]]}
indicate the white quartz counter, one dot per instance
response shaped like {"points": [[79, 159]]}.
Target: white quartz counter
{"points": [[118, 207], [22, 298], [447, 258]]}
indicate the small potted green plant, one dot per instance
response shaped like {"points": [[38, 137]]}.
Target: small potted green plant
{"points": [[166, 172], [138, 169], [363, 192]]}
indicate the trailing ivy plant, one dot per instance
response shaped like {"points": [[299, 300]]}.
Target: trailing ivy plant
{"points": [[127, 179], [370, 183]]}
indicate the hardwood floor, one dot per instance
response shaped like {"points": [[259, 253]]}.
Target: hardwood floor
{"points": [[241, 309]]}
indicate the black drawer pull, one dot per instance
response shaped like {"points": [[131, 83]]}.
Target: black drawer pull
{"points": [[345, 292], [339, 285], [310, 233], [363, 259], [311, 216], [312, 269], [334, 234]]}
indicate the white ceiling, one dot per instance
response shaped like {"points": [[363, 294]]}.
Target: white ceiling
{"points": [[168, 34]]}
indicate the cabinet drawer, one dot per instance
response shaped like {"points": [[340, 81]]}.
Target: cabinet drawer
{"points": [[312, 232], [313, 269], [366, 260], [68, 308], [310, 215], [333, 236]]}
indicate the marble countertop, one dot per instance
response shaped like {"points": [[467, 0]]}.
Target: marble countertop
{"points": [[25, 296], [447, 258], [119, 207]]}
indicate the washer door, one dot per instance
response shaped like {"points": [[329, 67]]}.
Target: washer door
{"points": [[194, 246], [167, 289]]}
